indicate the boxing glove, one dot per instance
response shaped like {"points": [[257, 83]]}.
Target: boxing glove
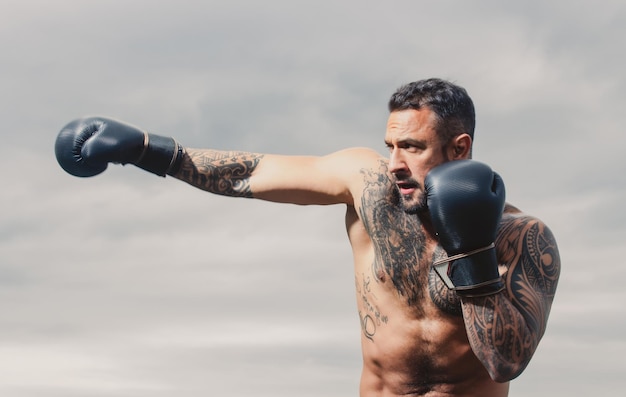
{"points": [[465, 200], [86, 146]]}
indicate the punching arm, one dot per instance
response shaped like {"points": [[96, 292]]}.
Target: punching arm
{"points": [[85, 147], [305, 180]]}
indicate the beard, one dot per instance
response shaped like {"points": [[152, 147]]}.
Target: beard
{"points": [[412, 204]]}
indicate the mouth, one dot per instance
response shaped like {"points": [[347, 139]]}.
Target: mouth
{"points": [[407, 187]]}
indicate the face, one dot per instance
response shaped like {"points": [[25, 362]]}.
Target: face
{"points": [[414, 149]]}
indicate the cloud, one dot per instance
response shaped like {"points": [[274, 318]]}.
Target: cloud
{"points": [[129, 284]]}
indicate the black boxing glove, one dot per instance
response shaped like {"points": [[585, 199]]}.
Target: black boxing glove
{"points": [[85, 146], [465, 200]]}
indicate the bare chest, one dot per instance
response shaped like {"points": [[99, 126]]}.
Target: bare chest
{"points": [[393, 259], [393, 267], [399, 275]]}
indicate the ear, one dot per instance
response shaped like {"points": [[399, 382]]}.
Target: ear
{"points": [[460, 147]]}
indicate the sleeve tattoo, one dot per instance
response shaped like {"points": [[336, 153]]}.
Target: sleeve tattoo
{"points": [[504, 329], [220, 172]]}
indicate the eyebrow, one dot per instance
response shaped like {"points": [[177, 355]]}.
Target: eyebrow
{"points": [[407, 142]]}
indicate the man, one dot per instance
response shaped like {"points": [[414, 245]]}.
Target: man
{"points": [[454, 287]]}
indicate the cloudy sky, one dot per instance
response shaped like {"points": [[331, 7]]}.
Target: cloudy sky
{"points": [[127, 284]]}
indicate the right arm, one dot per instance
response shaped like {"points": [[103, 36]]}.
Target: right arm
{"points": [[287, 179], [86, 146]]}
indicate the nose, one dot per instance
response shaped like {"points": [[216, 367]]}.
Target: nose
{"points": [[397, 164]]}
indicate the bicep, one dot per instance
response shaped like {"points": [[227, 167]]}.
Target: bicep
{"points": [[322, 180]]}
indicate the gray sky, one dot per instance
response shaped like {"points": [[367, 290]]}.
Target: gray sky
{"points": [[131, 285]]}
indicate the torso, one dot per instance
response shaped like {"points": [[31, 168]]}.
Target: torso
{"points": [[413, 336]]}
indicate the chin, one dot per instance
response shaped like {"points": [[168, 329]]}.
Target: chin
{"points": [[414, 206], [414, 209]]}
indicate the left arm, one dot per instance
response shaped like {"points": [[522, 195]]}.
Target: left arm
{"points": [[505, 317], [504, 329]]}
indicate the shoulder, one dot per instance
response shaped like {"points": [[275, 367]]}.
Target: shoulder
{"points": [[356, 165], [346, 161], [513, 219], [357, 158], [518, 227], [335, 178]]}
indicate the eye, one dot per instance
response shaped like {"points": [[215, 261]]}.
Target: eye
{"points": [[412, 149], [409, 147]]}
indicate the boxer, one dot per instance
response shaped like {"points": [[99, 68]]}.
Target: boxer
{"points": [[453, 285]]}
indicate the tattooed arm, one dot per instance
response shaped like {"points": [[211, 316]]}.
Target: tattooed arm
{"points": [[288, 179], [221, 172], [504, 329]]}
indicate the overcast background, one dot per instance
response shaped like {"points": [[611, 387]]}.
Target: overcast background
{"points": [[127, 284]]}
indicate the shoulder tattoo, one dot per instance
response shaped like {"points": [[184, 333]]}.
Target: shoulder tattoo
{"points": [[398, 243]]}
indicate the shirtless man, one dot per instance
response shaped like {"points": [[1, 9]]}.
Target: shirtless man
{"points": [[443, 311]]}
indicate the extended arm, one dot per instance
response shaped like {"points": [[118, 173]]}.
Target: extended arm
{"points": [[287, 179], [504, 329], [86, 146]]}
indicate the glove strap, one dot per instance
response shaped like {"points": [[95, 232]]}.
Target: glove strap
{"points": [[160, 155], [462, 255], [475, 276]]}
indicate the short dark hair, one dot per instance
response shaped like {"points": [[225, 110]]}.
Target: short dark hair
{"points": [[450, 103]]}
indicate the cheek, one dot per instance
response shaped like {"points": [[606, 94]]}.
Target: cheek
{"points": [[419, 175], [434, 161]]}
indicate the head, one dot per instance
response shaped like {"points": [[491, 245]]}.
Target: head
{"points": [[430, 122]]}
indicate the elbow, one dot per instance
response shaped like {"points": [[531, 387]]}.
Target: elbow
{"points": [[503, 377], [505, 372], [506, 365]]}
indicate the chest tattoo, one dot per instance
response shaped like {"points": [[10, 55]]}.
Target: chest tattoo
{"points": [[399, 243], [444, 298]]}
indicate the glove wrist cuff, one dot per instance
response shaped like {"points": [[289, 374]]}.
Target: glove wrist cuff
{"points": [[474, 273], [161, 155]]}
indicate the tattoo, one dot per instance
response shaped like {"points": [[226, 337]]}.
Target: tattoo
{"points": [[397, 238], [367, 325], [225, 173], [497, 333], [504, 329], [400, 247], [534, 271], [371, 317], [445, 299]]}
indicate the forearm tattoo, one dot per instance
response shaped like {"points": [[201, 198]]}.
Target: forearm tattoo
{"points": [[220, 172], [504, 329]]}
